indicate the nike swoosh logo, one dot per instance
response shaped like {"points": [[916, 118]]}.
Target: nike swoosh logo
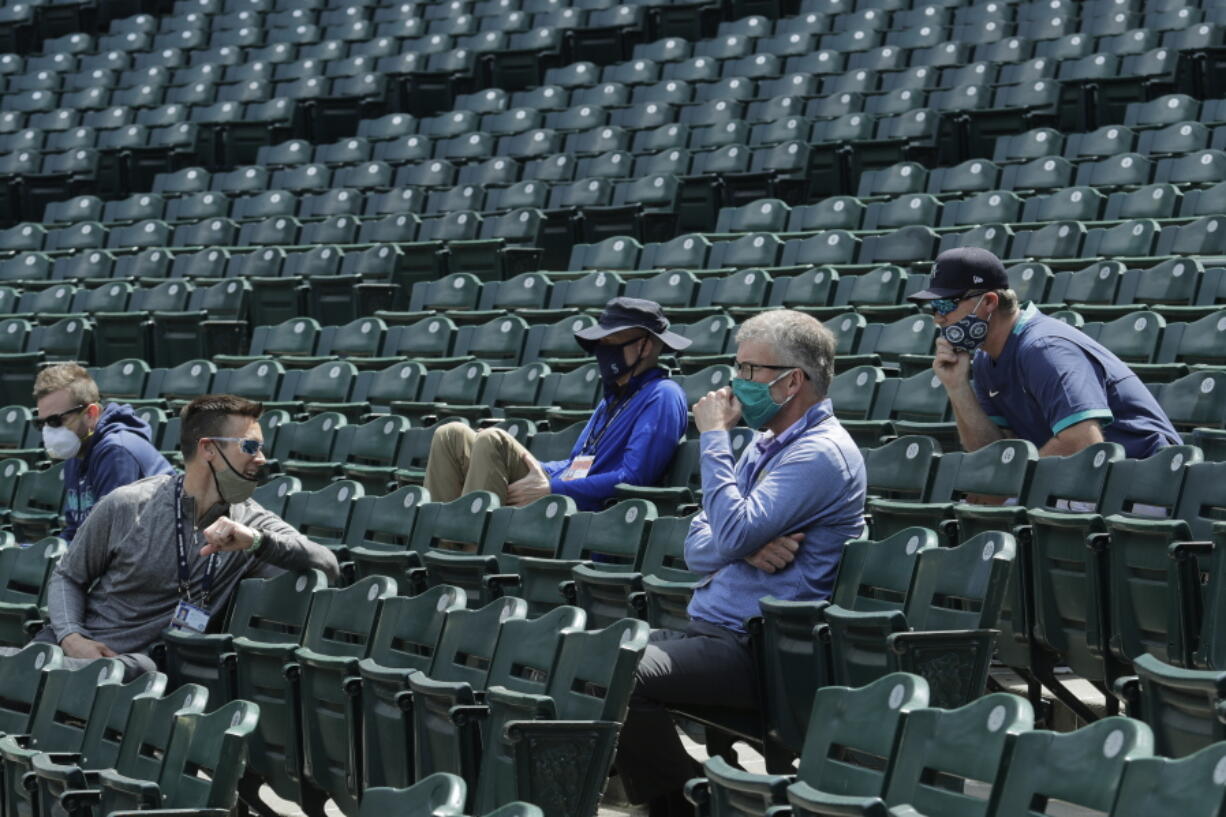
{"points": [[993, 393]]}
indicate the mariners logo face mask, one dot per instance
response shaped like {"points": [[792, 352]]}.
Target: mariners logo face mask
{"points": [[969, 333]]}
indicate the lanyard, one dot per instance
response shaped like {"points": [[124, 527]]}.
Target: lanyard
{"points": [[206, 583], [589, 445]]}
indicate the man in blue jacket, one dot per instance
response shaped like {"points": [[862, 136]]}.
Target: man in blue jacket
{"points": [[630, 438], [103, 448]]}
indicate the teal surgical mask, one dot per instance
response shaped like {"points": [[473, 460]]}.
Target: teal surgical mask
{"points": [[757, 406]]}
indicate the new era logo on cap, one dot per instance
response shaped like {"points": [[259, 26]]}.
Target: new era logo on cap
{"points": [[977, 279]]}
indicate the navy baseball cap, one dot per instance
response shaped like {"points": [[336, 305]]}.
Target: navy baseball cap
{"points": [[960, 270], [631, 313]]}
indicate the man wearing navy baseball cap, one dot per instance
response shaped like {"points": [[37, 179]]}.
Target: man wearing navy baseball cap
{"points": [[1035, 377]]}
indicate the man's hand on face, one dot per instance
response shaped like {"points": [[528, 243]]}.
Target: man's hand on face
{"points": [[226, 535], [529, 488], [776, 554], [952, 368], [78, 646], [717, 411]]}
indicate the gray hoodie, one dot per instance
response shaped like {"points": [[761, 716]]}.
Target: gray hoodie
{"points": [[119, 582]]}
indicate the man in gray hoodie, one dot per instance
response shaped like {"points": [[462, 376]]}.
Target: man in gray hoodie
{"points": [[104, 447], [170, 550]]}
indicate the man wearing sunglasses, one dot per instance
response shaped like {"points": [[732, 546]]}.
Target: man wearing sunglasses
{"points": [[103, 447], [169, 550], [1035, 377]]}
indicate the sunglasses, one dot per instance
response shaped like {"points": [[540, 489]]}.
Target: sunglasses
{"points": [[247, 445], [943, 306], [56, 420]]}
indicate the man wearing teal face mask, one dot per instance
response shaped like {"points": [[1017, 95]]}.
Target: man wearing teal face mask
{"points": [[773, 523]]}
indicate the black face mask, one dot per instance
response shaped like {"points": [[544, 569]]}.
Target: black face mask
{"points": [[233, 488], [612, 362]]}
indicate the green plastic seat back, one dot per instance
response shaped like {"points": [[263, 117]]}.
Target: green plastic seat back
{"points": [[593, 290], [323, 515], [528, 290], [439, 795], [104, 731], [915, 334], [578, 389], [1190, 787], [1081, 768], [16, 425], [385, 522], [10, 472], [327, 382], [274, 611], [614, 535], [463, 520], [67, 700], [594, 674], [312, 440], [875, 576], [848, 328], [1135, 337], [1002, 468], [460, 290], [1201, 499], [462, 385], [534, 529], [468, 641], [409, 627], [1180, 705], [527, 649], [745, 288], [921, 398], [122, 379], [547, 446], [1096, 284], [1201, 342], [188, 379], [341, 619], [854, 391], [24, 571], [863, 722], [207, 756], [14, 332], [961, 587], [427, 338], [259, 380], [359, 338], [557, 340], [670, 288], [296, 336], [708, 336], [522, 386], [40, 491], [499, 341], [22, 675], [1197, 399], [903, 468], [1080, 477], [274, 494], [147, 732], [960, 745], [400, 381], [1155, 480], [696, 385], [664, 551], [882, 286], [377, 442]]}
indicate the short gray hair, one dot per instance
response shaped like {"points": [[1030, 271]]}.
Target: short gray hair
{"points": [[800, 339]]}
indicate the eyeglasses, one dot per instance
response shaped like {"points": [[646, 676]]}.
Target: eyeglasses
{"points": [[247, 445], [745, 371], [57, 420]]}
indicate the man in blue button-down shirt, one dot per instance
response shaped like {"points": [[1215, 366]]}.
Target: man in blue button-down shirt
{"points": [[773, 523]]}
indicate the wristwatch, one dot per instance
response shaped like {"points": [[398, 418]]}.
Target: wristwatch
{"points": [[257, 539]]}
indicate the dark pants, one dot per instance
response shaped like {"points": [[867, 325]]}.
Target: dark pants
{"points": [[706, 665]]}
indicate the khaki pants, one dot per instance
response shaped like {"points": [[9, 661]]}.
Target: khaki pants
{"points": [[462, 460]]}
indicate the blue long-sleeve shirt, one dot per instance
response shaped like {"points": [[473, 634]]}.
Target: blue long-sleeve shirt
{"points": [[637, 445], [810, 479]]}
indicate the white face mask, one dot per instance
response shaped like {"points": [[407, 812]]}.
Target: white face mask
{"points": [[61, 443]]}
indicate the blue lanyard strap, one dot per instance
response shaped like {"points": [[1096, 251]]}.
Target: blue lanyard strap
{"points": [[206, 582]]}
